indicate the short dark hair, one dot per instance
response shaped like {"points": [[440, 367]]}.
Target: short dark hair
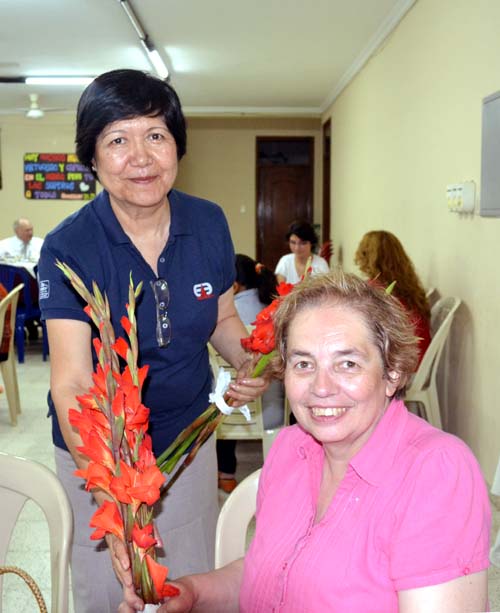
{"points": [[304, 230], [123, 94], [251, 274]]}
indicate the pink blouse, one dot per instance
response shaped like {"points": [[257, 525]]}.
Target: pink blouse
{"points": [[412, 511]]}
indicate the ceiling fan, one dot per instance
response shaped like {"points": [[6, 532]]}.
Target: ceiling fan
{"points": [[33, 111]]}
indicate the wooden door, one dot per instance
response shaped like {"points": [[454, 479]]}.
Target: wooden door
{"points": [[284, 193]]}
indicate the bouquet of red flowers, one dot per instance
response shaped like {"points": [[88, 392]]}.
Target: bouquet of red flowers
{"points": [[113, 424]]}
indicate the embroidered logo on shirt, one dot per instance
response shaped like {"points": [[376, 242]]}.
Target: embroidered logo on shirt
{"points": [[44, 290], [202, 291]]}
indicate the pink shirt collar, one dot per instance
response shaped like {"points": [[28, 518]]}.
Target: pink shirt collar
{"points": [[373, 462]]}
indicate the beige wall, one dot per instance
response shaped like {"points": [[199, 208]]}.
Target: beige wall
{"points": [[408, 125], [220, 166], [52, 134]]}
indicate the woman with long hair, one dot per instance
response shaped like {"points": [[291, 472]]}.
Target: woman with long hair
{"points": [[381, 256]]}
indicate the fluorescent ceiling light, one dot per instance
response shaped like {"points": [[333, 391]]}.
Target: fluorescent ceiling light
{"points": [[58, 80], [153, 55], [156, 61]]}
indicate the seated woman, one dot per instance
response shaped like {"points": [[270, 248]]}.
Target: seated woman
{"points": [[381, 256], [362, 506], [302, 240], [254, 288]]}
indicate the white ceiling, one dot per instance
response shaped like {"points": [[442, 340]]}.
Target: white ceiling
{"points": [[224, 56]]}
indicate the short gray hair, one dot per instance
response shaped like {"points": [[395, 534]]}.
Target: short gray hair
{"points": [[392, 332]]}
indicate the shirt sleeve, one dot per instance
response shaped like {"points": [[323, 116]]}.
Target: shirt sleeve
{"points": [[320, 265], [281, 267], [441, 528], [57, 298]]}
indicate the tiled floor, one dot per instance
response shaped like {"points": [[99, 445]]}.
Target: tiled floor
{"points": [[31, 438]]}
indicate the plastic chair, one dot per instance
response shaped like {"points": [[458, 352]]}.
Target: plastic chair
{"points": [[423, 388], [20, 480], [235, 426], [8, 367], [10, 277], [432, 296], [232, 524]]}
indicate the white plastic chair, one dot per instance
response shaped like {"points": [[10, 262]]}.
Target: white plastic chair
{"points": [[232, 524], [8, 367], [235, 426], [432, 296], [20, 480], [423, 388]]}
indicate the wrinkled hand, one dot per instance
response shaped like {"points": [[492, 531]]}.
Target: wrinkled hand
{"points": [[121, 566], [246, 388], [183, 603]]}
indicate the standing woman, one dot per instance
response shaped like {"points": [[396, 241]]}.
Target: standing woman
{"points": [[131, 132], [302, 240], [381, 256]]}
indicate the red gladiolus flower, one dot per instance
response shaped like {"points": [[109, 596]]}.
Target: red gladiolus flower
{"points": [[95, 475], [88, 420], [284, 288], [159, 575], [143, 537], [126, 325], [121, 347], [107, 520], [147, 485], [96, 449], [133, 487]]}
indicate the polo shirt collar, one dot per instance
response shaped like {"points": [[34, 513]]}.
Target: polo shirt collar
{"points": [[375, 459], [179, 217]]}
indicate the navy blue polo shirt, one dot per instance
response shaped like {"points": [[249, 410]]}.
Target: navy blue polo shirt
{"points": [[198, 264]]}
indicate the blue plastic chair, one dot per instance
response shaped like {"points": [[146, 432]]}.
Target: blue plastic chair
{"points": [[10, 277]]}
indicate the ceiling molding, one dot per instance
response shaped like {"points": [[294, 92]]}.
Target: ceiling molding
{"points": [[390, 23], [236, 111]]}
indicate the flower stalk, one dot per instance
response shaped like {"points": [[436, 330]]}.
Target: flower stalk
{"points": [[113, 423]]}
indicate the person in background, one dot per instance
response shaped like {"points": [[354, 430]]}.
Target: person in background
{"points": [[380, 256], [254, 288], [361, 506], [131, 134], [302, 240], [23, 245]]}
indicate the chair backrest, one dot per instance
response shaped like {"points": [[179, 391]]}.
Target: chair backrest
{"points": [[442, 314], [233, 521], [20, 480], [10, 300], [432, 296], [10, 277]]}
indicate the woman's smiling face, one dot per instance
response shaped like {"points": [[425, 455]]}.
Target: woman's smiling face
{"points": [[334, 377], [136, 161]]}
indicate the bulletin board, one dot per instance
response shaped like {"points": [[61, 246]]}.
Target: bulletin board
{"points": [[57, 176]]}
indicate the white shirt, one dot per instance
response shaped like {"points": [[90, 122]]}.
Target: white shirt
{"points": [[13, 247], [286, 267]]}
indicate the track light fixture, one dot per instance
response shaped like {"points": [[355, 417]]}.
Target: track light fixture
{"points": [[148, 46]]}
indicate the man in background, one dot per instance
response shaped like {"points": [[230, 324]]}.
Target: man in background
{"points": [[23, 245]]}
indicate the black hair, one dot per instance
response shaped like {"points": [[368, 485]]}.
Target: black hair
{"points": [[253, 275], [304, 230], [123, 94]]}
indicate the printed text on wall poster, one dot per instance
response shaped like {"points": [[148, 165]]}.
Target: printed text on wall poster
{"points": [[57, 176]]}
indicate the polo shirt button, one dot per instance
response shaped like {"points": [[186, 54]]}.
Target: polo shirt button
{"points": [[162, 260], [466, 570], [284, 565]]}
